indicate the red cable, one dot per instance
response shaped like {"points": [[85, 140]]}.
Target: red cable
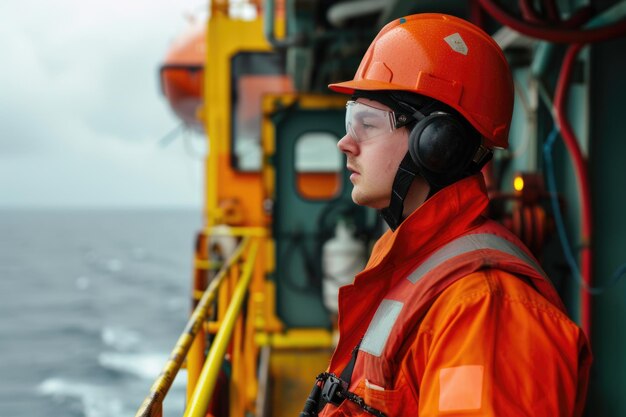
{"points": [[580, 166], [552, 34], [552, 11], [578, 18], [528, 12], [476, 14]]}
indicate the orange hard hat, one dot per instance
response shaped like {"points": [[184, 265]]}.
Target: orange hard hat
{"points": [[444, 58]]}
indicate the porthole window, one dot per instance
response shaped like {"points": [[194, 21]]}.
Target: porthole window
{"points": [[318, 166]]}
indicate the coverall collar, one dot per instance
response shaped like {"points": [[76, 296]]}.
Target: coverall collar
{"points": [[449, 213]]}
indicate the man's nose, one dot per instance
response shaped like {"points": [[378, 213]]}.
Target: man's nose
{"points": [[347, 144]]}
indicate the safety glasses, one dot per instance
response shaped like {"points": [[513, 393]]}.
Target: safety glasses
{"points": [[365, 122]]}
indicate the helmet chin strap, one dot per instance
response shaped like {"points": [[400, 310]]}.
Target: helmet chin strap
{"points": [[401, 183]]}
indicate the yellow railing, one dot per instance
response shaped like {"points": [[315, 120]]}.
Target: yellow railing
{"points": [[206, 383], [153, 403]]}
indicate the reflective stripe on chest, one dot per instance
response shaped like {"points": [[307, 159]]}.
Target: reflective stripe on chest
{"points": [[406, 304]]}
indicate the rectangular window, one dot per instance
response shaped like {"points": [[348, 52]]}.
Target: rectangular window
{"points": [[254, 74]]}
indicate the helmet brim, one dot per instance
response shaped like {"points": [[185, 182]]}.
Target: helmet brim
{"points": [[348, 87]]}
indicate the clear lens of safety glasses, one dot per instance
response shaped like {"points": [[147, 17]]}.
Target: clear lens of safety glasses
{"points": [[365, 122]]}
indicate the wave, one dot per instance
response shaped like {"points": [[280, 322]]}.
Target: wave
{"points": [[96, 401], [124, 358], [146, 366], [120, 338], [99, 263], [143, 365]]}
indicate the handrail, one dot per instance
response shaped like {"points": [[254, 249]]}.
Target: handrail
{"points": [[152, 404], [206, 382]]}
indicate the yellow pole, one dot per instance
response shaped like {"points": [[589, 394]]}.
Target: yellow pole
{"points": [[212, 184], [250, 354], [206, 383], [195, 356], [151, 405], [212, 160], [237, 384]]}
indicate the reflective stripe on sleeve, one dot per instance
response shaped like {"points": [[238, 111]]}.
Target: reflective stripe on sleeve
{"points": [[380, 327], [471, 243]]}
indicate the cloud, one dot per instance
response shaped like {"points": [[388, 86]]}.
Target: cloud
{"points": [[81, 108], [114, 173]]}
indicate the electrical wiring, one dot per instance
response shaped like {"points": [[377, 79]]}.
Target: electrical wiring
{"points": [[552, 10], [558, 35], [528, 12], [560, 224], [563, 33], [545, 95], [608, 25], [297, 242]]}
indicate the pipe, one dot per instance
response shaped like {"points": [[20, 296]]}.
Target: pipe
{"points": [[580, 165], [340, 13], [552, 34]]}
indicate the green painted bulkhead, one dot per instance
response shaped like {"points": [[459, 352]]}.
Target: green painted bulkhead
{"points": [[302, 225], [608, 182]]}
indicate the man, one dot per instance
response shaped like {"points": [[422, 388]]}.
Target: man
{"points": [[452, 314]]}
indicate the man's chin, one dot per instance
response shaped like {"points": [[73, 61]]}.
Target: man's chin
{"points": [[357, 197], [363, 199]]}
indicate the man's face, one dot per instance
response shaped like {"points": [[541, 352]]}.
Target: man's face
{"points": [[374, 155]]}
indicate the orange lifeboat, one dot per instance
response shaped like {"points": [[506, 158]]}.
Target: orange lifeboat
{"points": [[181, 75]]}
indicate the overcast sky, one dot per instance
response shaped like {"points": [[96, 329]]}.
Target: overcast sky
{"points": [[81, 113]]}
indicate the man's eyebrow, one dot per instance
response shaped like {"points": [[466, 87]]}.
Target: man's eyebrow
{"points": [[366, 113]]}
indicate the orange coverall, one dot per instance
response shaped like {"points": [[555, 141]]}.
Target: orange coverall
{"points": [[489, 344]]}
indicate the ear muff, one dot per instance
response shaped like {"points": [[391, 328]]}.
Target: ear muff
{"points": [[442, 147]]}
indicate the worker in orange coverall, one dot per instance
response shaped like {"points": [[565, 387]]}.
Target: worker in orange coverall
{"points": [[452, 316]]}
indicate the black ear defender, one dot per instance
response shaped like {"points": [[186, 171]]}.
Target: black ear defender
{"points": [[445, 149]]}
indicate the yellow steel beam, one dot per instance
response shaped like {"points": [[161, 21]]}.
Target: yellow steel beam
{"points": [[206, 383], [237, 231], [152, 404], [296, 338]]}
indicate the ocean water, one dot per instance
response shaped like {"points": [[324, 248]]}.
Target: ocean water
{"points": [[91, 304]]}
